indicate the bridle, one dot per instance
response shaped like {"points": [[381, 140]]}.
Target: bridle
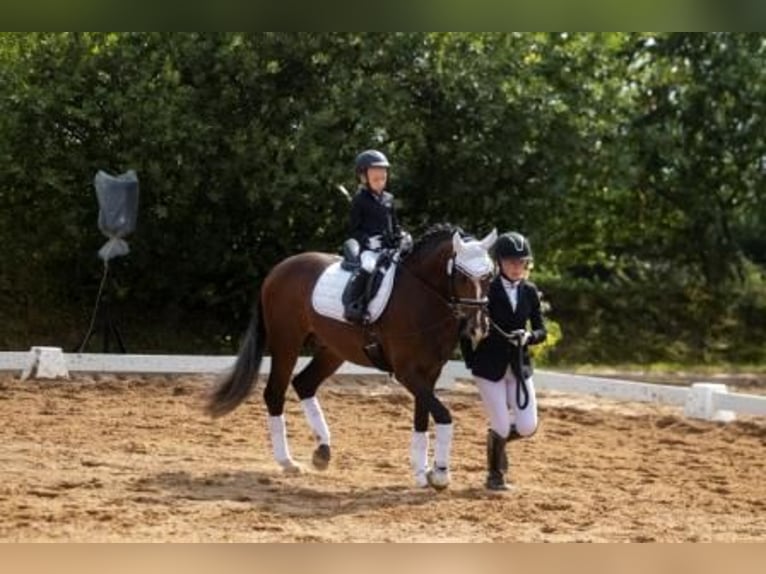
{"points": [[456, 303], [460, 304]]}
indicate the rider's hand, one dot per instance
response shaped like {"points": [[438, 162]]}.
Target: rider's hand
{"points": [[405, 242], [375, 242]]}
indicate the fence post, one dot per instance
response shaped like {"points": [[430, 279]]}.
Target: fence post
{"points": [[45, 363], [700, 403]]}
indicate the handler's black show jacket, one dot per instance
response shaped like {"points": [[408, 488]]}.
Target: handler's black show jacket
{"points": [[495, 353]]}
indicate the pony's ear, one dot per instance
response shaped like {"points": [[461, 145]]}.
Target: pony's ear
{"points": [[489, 240], [457, 243]]}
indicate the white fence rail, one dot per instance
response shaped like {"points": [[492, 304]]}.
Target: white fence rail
{"points": [[700, 400], [740, 403]]}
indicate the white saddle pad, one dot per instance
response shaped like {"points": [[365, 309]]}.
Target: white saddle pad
{"points": [[326, 297]]}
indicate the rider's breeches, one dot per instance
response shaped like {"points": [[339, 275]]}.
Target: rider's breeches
{"points": [[500, 406]]}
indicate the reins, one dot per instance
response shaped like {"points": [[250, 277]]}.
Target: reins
{"points": [[453, 303], [521, 382], [441, 299]]}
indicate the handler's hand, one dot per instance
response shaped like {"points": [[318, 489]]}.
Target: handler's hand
{"points": [[520, 337]]}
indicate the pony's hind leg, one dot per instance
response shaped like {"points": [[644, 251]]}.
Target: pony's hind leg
{"points": [[322, 365], [282, 365]]}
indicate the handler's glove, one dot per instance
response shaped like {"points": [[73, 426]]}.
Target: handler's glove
{"points": [[520, 337]]}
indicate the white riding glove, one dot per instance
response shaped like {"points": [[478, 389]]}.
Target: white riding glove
{"points": [[375, 242], [405, 243]]}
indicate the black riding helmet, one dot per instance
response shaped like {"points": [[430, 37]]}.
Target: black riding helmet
{"points": [[370, 158], [512, 245]]}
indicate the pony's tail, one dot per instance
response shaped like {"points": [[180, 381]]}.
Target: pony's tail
{"points": [[236, 384]]}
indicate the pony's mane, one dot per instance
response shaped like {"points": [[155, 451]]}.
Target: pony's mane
{"points": [[435, 235]]}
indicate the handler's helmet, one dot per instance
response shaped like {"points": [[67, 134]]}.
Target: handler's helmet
{"points": [[370, 158], [512, 245]]}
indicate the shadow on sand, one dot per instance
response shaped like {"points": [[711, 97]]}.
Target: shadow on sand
{"points": [[280, 494]]}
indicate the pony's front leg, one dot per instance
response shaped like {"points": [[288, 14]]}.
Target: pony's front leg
{"points": [[419, 443], [419, 457], [437, 477]]}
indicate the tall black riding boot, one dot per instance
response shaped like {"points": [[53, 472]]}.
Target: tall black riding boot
{"points": [[497, 461], [355, 297]]}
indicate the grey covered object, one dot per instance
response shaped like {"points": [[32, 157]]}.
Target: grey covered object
{"points": [[118, 202]]}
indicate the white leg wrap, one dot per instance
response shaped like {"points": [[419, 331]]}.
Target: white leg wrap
{"points": [[419, 457], [279, 444], [316, 420], [443, 445]]}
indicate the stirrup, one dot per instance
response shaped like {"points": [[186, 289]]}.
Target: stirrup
{"points": [[353, 313], [358, 319]]}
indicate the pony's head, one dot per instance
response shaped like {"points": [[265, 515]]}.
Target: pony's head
{"points": [[459, 268], [470, 270]]}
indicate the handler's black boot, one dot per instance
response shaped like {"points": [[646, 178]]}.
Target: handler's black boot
{"points": [[497, 461]]}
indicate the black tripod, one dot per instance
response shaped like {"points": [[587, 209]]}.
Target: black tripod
{"points": [[109, 326]]}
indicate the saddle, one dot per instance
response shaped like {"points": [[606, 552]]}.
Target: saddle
{"points": [[334, 289]]}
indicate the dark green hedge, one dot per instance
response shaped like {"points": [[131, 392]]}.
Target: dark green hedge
{"points": [[634, 162]]}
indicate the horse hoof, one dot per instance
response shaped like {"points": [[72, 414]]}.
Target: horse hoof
{"points": [[290, 467], [421, 479], [321, 457], [438, 478]]}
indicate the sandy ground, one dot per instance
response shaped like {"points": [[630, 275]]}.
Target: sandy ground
{"points": [[133, 459]]}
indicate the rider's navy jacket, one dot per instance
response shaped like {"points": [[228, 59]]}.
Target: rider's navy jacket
{"points": [[373, 215], [495, 353]]}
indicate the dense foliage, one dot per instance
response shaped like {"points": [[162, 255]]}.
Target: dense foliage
{"points": [[635, 163]]}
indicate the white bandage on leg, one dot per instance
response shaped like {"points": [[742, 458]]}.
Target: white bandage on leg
{"points": [[316, 420], [419, 457], [279, 444], [443, 445]]}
